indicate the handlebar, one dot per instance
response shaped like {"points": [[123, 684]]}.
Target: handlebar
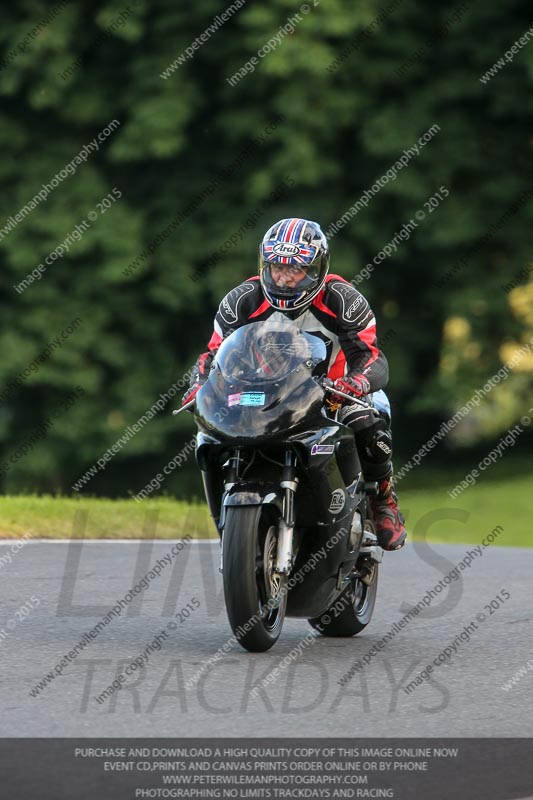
{"points": [[184, 408], [329, 386]]}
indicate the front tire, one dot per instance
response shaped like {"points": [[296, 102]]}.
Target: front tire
{"points": [[249, 549]]}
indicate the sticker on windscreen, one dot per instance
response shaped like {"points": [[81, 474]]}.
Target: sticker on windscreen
{"points": [[246, 399], [252, 399]]}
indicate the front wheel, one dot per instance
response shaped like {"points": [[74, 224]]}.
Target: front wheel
{"points": [[353, 609], [256, 596]]}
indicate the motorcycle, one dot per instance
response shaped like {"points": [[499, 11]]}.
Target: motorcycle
{"points": [[284, 486]]}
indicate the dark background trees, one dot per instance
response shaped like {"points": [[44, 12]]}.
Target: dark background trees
{"points": [[323, 116]]}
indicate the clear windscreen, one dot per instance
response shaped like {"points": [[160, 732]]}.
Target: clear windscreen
{"points": [[269, 350]]}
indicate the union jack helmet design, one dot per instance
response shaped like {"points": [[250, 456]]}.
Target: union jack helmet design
{"points": [[297, 245]]}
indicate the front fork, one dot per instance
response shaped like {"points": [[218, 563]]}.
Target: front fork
{"points": [[289, 482]]}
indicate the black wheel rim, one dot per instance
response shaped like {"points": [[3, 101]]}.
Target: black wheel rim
{"points": [[363, 594], [360, 597]]}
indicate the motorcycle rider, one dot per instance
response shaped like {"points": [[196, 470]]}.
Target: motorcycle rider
{"points": [[294, 281]]}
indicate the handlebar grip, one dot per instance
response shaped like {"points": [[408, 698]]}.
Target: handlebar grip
{"points": [[329, 386]]}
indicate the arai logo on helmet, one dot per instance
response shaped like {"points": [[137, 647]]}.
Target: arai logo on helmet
{"points": [[286, 249]]}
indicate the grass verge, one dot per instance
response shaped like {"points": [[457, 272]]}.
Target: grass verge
{"points": [[429, 514], [99, 518]]}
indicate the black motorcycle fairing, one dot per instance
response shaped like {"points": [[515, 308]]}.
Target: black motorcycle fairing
{"points": [[204, 442], [328, 548], [299, 398], [210, 453], [330, 465], [322, 495], [262, 383], [316, 444]]}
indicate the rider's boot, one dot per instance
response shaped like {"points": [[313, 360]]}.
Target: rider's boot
{"points": [[388, 519]]}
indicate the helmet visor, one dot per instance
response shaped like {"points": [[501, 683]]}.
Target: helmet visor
{"points": [[288, 274], [289, 280]]}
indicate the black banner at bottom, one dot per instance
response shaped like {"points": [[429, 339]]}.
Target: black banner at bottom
{"points": [[127, 769]]}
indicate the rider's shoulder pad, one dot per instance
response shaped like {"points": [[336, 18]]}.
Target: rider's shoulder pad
{"points": [[230, 307], [349, 305]]}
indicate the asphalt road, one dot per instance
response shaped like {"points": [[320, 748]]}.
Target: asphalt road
{"points": [[464, 696]]}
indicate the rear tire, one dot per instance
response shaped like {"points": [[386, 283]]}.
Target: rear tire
{"points": [[249, 549], [351, 612]]}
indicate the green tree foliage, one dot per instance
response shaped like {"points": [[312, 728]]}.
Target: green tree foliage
{"points": [[344, 90]]}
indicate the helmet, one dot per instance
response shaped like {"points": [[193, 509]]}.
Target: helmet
{"points": [[300, 244]]}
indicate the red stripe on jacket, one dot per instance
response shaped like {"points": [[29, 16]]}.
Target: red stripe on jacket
{"points": [[215, 341], [338, 368], [368, 336], [265, 305]]}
